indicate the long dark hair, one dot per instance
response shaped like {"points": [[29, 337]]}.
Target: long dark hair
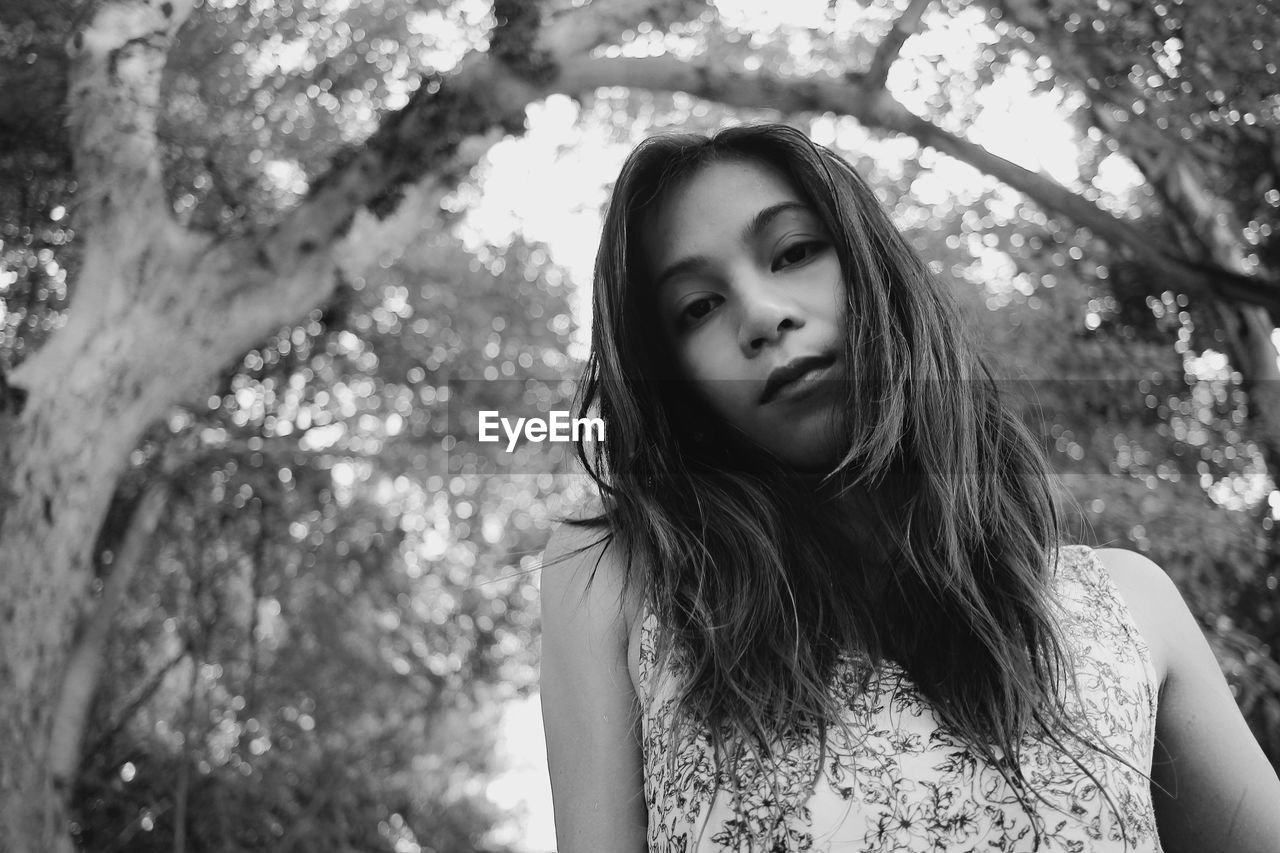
{"points": [[758, 575]]}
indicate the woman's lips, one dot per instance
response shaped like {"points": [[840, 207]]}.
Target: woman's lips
{"points": [[802, 385]]}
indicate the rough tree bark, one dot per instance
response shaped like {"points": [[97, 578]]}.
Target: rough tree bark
{"points": [[160, 310]]}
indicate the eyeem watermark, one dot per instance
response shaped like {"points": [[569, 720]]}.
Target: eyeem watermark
{"points": [[559, 426]]}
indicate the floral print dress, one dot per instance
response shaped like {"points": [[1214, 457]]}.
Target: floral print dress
{"points": [[895, 779]]}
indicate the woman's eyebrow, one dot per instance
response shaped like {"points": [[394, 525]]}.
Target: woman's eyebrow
{"points": [[693, 263], [755, 227], [761, 220]]}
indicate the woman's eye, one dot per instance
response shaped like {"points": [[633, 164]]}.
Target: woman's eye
{"points": [[797, 253], [696, 310]]}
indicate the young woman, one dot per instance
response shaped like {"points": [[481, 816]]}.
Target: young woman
{"points": [[825, 606]]}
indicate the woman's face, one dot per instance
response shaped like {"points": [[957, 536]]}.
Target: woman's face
{"points": [[748, 282]]}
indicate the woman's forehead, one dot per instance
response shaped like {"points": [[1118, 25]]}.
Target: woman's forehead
{"points": [[718, 202]]}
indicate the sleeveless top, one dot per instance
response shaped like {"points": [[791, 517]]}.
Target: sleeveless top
{"points": [[899, 780]]}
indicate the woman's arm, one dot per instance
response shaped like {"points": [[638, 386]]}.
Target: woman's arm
{"points": [[1214, 788], [589, 707]]}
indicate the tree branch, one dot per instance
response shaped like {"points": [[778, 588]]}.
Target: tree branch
{"points": [[80, 681], [425, 136], [448, 120], [575, 31], [887, 52], [116, 62], [431, 133], [140, 698], [875, 108]]}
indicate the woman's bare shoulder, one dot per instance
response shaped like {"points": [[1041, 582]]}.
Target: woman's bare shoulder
{"points": [[583, 566], [1157, 607]]}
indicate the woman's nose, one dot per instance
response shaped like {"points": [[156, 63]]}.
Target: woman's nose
{"points": [[765, 314]]}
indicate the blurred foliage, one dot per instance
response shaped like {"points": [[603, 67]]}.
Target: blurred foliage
{"points": [[37, 246], [338, 598], [316, 655]]}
